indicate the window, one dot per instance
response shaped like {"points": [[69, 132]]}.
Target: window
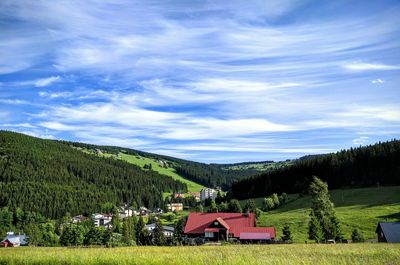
{"points": [[209, 234]]}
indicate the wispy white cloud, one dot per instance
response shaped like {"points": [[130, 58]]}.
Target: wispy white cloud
{"points": [[370, 67], [378, 81], [361, 140], [42, 82], [13, 101], [18, 125]]}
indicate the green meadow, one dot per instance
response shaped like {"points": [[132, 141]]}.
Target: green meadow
{"points": [[366, 253], [141, 161], [359, 208]]}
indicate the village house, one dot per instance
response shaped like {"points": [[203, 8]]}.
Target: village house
{"points": [[157, 211], [102, 219], [175, 207], [79, 218], [144, 211], [208, 193], [12, 240], [227, 226], [388, 232], [126, 212], [179, 195], [168, 231], [195, 195]]}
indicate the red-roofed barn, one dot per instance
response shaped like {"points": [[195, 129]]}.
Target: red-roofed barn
{"points": [[222, 226]]}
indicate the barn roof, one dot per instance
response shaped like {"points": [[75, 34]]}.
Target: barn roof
{"points": [[257, 233], [391, 231], [198, 222], [16, 239]]}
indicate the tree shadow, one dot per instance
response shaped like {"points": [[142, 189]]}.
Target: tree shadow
{"points": [[391, 216]]}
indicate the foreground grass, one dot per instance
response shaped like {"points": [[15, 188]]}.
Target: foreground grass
{"points": [[356, 208], [240, 254]]}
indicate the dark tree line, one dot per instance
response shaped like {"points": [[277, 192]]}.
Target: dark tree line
{"points": [[212, 175], [51, 178], [372, 165]]}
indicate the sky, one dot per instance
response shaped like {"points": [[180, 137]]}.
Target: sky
{"points": [[210, 81]]}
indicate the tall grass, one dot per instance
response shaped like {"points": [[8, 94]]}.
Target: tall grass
{"points": [[233, 254]]}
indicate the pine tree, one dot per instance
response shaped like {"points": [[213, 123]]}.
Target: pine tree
{"points": [[179, 230], [250, 206], [199, 208], [158, 234], [323, 211], [213, 207], [128, 231], [314, 229], [287, 234], [234, 206], [219, 198], [356, 236], [140, 234]]}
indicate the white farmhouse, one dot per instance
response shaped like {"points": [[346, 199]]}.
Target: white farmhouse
{"points": [[13, 240], [102, 219], [167, 230]]}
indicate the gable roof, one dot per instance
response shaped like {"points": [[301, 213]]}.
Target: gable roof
{"points": [[198, 222], [391, 231], [16, 239], [222, 222]]}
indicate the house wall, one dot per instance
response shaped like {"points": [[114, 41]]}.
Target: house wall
{"points": [[381, 235]]}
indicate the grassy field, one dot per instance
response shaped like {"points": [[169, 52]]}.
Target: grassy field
{"points": [[141, 161], [356, 208], [235, 254]]}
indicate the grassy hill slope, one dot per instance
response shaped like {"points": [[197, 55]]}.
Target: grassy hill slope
{"points": [[141, 161], [359, 208], [171, 172], [209, 175]]}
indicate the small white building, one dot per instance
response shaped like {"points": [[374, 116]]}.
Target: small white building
{"points": [[102, 219], [168, 231], [208, 193], [79, 218], [12, 240], [175, 207], [124, 213]]}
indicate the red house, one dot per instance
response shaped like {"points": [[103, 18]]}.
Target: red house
{"points": [[222, 226]]}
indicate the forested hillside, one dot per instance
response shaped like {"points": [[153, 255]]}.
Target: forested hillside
{"points": [[210, 175], [372, 165], [52, 178]]}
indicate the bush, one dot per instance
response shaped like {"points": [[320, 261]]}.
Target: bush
{"points": [[356, 236], [268, 204]]}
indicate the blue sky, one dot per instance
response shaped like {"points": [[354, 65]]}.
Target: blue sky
{"points": [[212, 81]]}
